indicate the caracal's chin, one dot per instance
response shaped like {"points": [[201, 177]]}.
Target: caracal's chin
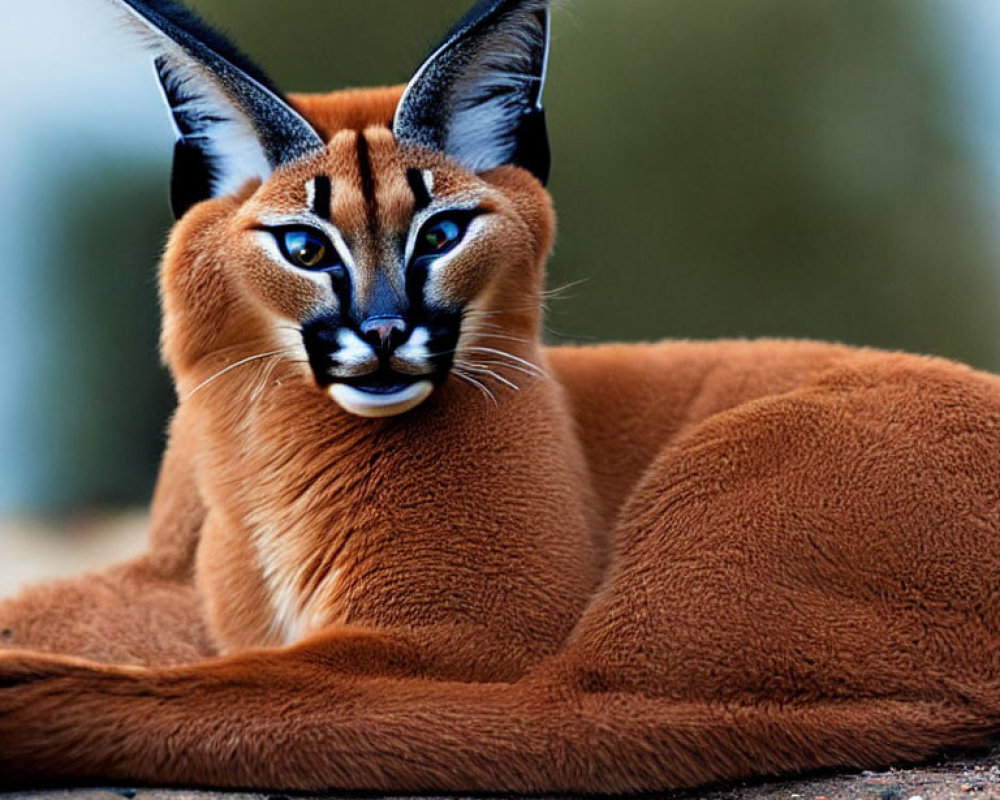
{"points": [[368, 403]]}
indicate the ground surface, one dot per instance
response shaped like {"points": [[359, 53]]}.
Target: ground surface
{"points": [[975, 778], [32, 551]]}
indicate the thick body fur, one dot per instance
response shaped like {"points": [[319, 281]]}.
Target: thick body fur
{"points": [[653, 566]]}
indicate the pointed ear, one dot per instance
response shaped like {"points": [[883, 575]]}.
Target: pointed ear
{"points": [[232, 124], [478, 97]]}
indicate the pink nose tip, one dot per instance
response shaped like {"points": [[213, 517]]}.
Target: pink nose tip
{"points": [[381, 331]]}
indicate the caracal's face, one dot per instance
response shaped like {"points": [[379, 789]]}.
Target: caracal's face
{"points": [[375, 259], [384, 222]]}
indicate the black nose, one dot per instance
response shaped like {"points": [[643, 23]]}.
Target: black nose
{"points": [[384, 333]]}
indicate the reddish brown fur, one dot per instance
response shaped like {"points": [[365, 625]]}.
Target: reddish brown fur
{"points": [[664, 565], [349, 109]]}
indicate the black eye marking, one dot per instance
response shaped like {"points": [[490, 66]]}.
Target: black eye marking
{"points": [[323, 198], [309, 249], [369, 190], [421, 194]]}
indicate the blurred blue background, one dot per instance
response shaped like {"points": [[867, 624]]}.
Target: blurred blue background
{"points": [[776, 167]]}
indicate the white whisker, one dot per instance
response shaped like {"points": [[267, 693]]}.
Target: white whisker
{"points": [[231, 367], [504, 337], [517, 367], [479, 314], [504, 354], [559, 292], [469, 379], [265, 379], [481, 370]]}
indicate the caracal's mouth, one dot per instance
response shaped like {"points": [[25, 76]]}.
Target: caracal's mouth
{"points": [[376, 375], [381, 395]]}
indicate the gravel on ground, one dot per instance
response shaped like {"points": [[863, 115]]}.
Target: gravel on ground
{"points": [[967, 777]]}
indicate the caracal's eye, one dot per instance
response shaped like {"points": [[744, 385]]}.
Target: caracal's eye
{"points": [[440, 235], [308, 249]]}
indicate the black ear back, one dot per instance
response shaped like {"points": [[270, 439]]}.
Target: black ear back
{"points": [[478, 97], [232, 124]]}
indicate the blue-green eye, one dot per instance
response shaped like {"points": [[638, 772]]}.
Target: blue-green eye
{"points": [[439, 236], [307, 249]]}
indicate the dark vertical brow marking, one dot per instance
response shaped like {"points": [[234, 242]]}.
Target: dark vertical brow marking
{"points": [[421, 196], [324, 197], [367, 182]]}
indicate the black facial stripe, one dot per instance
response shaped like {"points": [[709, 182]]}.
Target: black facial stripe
{"points": [[368, 182], [416, 280], [322, 202], [421, 196], [342, 290]]}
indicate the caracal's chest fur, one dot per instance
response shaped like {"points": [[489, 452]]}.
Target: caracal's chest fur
{"points": [[316, 518]]}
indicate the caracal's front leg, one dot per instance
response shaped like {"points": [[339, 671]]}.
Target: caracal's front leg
{"points": [[285, 718]]}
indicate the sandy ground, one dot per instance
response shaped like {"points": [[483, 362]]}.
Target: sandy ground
{"points": [[32, 551]]}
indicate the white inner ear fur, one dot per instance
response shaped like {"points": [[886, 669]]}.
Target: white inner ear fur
{"points": [[481, 132], [230, 139]]}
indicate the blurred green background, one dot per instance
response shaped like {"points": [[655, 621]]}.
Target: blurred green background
{"points": [[808, 168]]}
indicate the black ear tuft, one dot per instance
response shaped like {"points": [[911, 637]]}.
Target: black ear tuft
{"points": [[232, 124], [478, 97]]}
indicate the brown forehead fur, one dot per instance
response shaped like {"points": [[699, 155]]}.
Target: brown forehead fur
{"points": [[659, 566], [349, 109]]}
